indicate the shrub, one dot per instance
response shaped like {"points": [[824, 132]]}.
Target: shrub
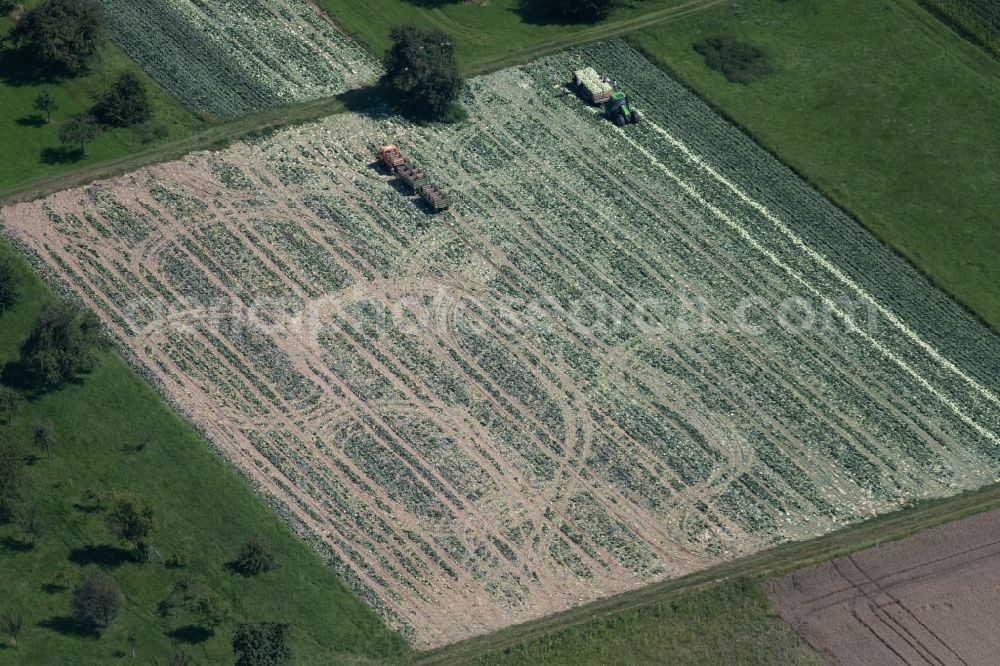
{"points": [[149, 132], [126, 103], [262, 644], [177, 560], [255, 557], [739, 61]]}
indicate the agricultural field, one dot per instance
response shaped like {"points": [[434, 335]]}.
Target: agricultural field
{"points": [[979, 21], [930, 598], [228, 59], [599, 369], [882, 107]]}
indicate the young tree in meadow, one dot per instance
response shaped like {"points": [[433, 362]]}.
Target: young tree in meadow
{"points": [[98, 493], [211, 611], [97, 598], [10, 292], [263, 644], [132, 520], [255, 557], [10, 402], [79, 131], [46, 103], [181, 659], [45, 439], [126, 103], [61, 344], [12, 623], [13, 479], [63, 35], [34, 523], [422, 72]]}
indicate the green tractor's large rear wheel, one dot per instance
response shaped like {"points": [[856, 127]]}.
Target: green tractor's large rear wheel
{"points": [[620, 119], [635, 117]]}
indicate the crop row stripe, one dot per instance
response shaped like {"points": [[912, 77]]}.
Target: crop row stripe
{"points": [[989, 434], [819, 258]]}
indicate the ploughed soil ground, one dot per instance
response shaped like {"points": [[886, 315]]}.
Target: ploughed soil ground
{"points": [[928, 599]]}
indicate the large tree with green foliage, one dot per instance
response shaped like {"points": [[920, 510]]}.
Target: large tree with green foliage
{"points": [[61, 344], [125, 103], [62, 34], [421, 71]]}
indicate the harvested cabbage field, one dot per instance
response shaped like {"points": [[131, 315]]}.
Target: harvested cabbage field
{"points": [[622, 354], [230, 58]]}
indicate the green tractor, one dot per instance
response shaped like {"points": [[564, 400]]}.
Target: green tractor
{"points": [[620, 110]]}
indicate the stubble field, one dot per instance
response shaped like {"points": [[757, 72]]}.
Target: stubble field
{"points": [[230, 58], [621, 356]]}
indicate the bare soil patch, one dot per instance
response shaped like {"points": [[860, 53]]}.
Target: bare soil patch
{"points": [[928, 599]]}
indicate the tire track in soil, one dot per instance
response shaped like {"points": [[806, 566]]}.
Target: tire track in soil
{"points": [[581, 215]]}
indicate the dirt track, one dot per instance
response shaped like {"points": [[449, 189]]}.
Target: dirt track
{"points": [[929, 599]]}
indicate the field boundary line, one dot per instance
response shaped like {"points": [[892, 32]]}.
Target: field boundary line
{"points": [[818, 258]]}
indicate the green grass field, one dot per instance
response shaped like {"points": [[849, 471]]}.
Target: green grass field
{"points": [[203, 508], [31, 148], [728, 623], [489, 35], [881, 106]]}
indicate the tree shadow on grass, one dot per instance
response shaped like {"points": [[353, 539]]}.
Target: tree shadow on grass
{"points": [[104, 556], [432, 4], [12, 545], [18, 375], [191, 634], [537, 13], [53, 588], [70, 626], [86, 508], [61, 155], [34, 120], [19, 67], [373, 101]]}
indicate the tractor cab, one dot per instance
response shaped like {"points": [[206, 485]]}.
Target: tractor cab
{"points": [[620, 110]]}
